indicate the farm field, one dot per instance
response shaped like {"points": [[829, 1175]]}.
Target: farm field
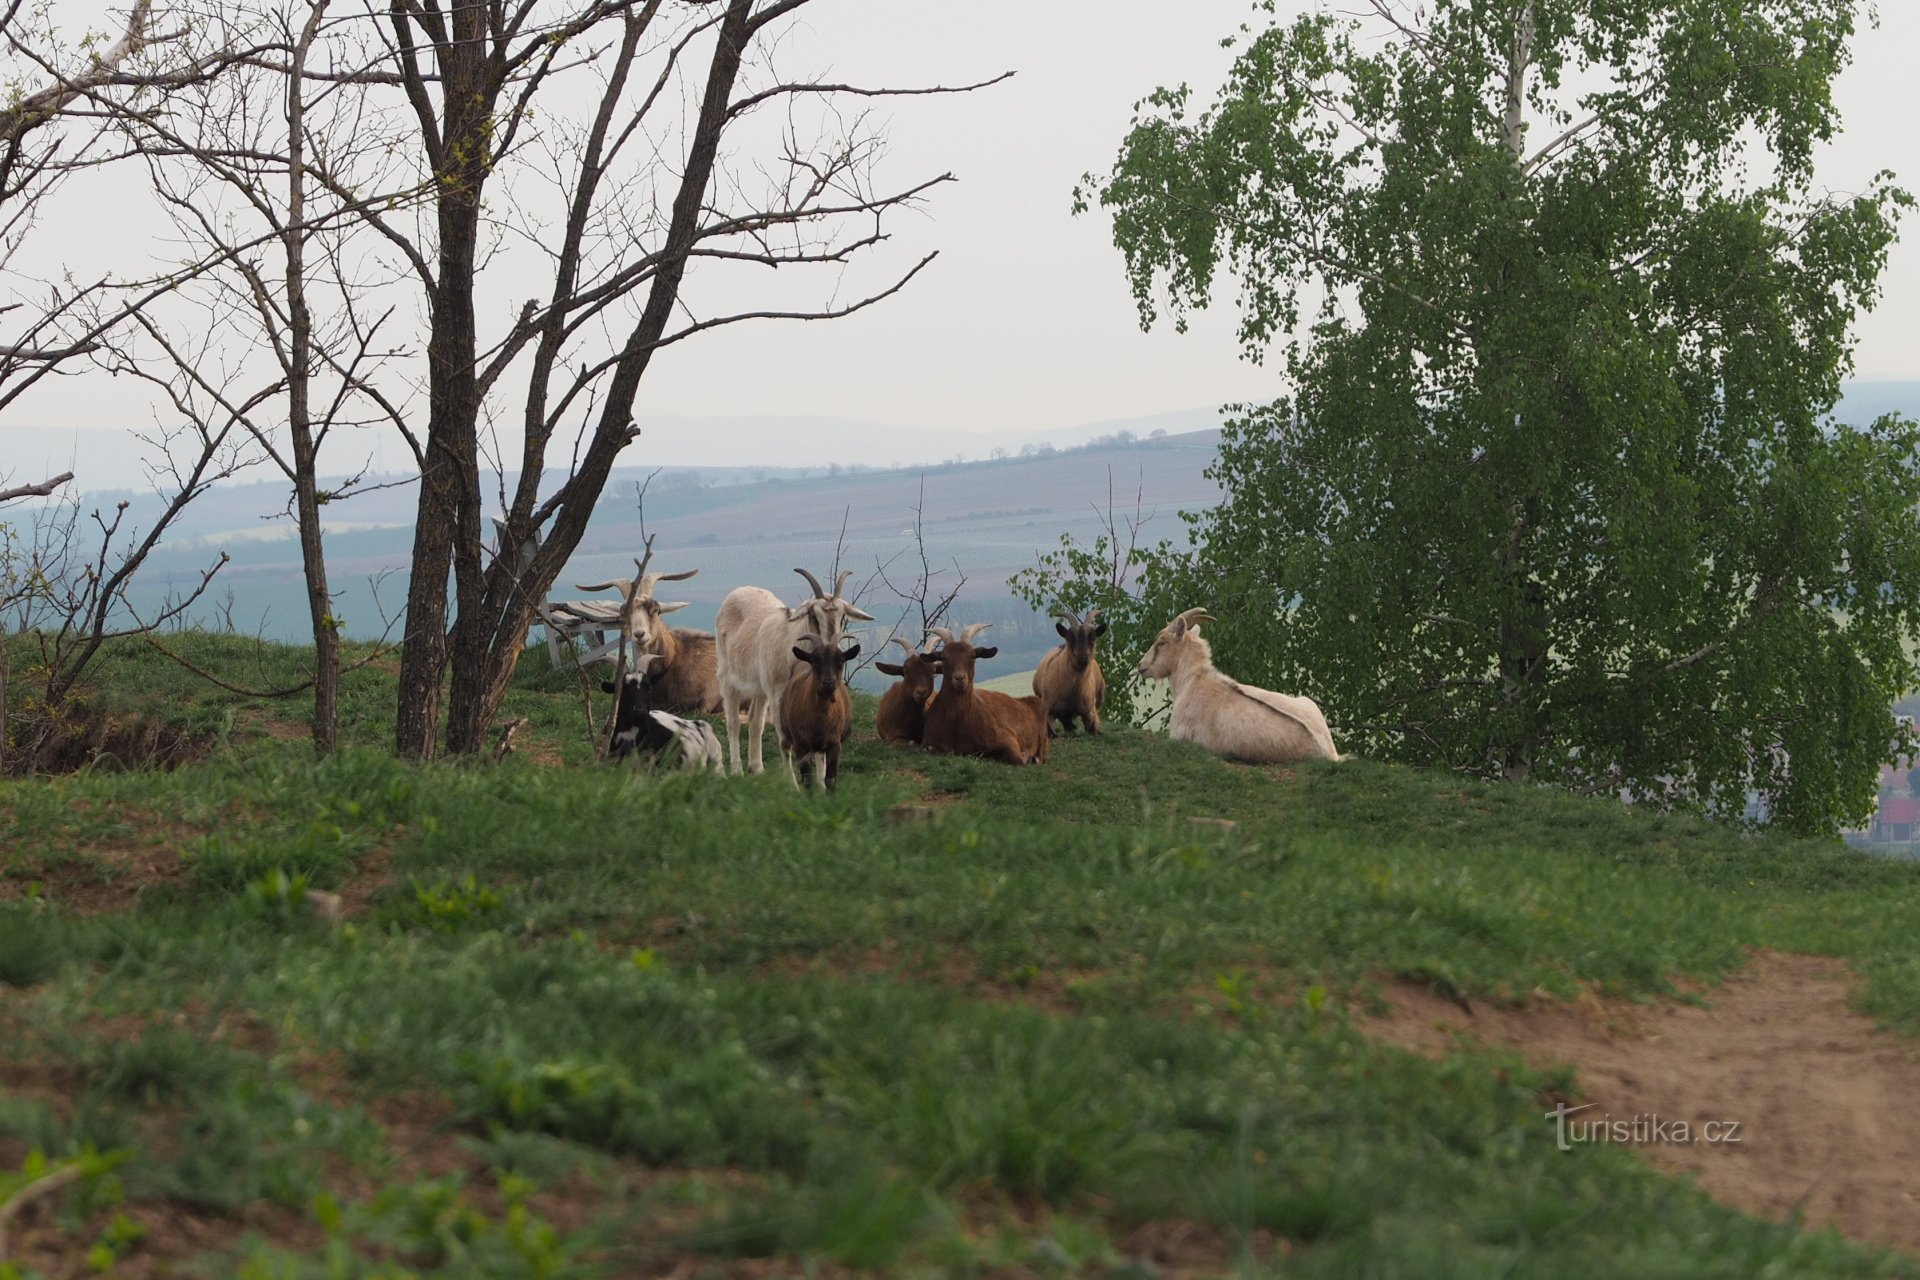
{"points": [[1139, 1012]]}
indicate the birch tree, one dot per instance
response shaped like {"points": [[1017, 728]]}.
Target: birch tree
{"points": [[1556, 493]]}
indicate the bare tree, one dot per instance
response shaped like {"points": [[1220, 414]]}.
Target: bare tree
{"points": [[925, 606], [272, 173], [640, 187], [64, 588]]}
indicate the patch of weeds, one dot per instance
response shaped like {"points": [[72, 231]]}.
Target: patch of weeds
{"points": [[279, 896], [318, 853], [163, 1064], [452, 907], [32, 947], [433, 1231], [858, 1218]]}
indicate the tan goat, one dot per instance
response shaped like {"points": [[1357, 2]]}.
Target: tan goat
{"points": [[1069, 682], [1224, 716], [686, 678]]}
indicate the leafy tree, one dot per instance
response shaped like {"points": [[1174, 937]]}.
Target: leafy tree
{"points": [[1556, 493]]}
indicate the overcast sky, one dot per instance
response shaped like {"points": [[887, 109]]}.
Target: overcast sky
{"points": [[1024, 323]]}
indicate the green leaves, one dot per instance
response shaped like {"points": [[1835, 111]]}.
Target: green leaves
{"points": [[1557, 494]]}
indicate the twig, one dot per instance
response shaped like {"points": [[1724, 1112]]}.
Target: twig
{"points": [[28, 1194], [42, 490], [504, 747]]}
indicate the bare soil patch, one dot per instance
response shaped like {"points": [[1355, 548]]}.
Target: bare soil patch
{"points": [[1821, 1093]]}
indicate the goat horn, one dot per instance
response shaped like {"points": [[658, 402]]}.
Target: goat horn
{"points": [[812, 582], [941, 634], [973, 629], [809, 639], [1192, 616], [612, 584], [841, 585], [1069, 617], [911, 651], [674, 577]]}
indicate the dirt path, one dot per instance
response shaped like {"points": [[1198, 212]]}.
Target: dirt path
{"points": [[1822, 1095]]}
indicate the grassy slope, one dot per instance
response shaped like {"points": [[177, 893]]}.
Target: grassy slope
{"points": [[991, 1042]]}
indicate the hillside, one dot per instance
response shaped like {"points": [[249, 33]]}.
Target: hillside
{"points": [[1137, 1012], [991, 518]]}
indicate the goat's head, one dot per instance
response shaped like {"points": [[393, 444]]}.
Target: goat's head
{"points": [[916, 671], [643, 618], [827, 612], [637, 696], [1080, 635], [1176, 639], [957, 656], [827, 662]]}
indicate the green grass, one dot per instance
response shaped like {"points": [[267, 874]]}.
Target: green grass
{"points": [[740, 1021]]}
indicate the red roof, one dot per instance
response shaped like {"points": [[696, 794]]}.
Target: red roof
{"points": [[1900, 809]]}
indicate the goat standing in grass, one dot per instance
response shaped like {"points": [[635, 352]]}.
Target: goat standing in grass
{"points": [[902, 717], [1224, 716], [816, 712], [754, 638], [965, 720], [685, 678], [1069, 682]]}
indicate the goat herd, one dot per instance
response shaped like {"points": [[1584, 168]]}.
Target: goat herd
{"points": [[765, 656]]}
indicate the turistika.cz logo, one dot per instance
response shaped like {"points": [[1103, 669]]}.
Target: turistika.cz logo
{"points": [[1570, 1128]]}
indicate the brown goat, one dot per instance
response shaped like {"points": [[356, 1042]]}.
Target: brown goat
{"points": [[902, 717], [815, 714], [963, 720], [1068, 681], [687, 678]]}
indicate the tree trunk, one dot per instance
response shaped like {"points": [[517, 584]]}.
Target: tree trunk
{"points": [[306, 460], [491, 630], [446, 533]]}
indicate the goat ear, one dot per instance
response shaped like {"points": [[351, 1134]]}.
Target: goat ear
{"points": [[669, 606], [859, 615], [1061, 627], [804, 655], [1100, 629], [889, 668], [991, 650], [606, 686], [849, 653]]}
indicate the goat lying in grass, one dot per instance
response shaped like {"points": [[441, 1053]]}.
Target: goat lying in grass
{"points": [[816, 712], [1224, 716], [686, 677], [638, 727], [902, 716], [1069, 682], [965, 720]]}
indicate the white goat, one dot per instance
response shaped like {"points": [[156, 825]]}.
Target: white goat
{"points": [[754, 638], [1224, 716]]}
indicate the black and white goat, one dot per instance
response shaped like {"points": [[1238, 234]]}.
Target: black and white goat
{"points": [[638, 727]]}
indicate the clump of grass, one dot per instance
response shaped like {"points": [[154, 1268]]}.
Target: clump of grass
{"points": [[32, 948]]}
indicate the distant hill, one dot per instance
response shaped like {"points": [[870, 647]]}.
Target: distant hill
{"points": [[989, 518], [753, 522]]}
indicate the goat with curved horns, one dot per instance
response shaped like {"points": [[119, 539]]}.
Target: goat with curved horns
{"points": [[966, 720], [685, 677], [1068, 681], [901, 719], [1224, 716], [754, 638]]}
